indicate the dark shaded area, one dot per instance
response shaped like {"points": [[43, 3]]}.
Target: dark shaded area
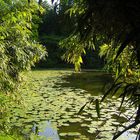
{"points": [[93, 82], [54, 53], [116, 21], [92, 60], [55, 26]]}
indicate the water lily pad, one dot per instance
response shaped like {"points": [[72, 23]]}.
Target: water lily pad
{"points": [[48, 98], [63, 134], [115, 123], [74, 120], [92, 130], [84, 125], [88, 119], [65, 124]]}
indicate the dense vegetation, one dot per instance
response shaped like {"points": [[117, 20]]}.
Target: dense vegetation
{"points": [[18, 47], [56, 25], [109, 29], [107, 24]]}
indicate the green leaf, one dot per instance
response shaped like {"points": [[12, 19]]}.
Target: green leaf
{"points": [[81, 109], [97, 107]]}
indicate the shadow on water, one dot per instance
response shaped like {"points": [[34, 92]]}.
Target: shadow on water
{"points": [[94, 82], [53, 100]]}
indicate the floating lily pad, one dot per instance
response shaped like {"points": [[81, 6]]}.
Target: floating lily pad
{"points": [[65, 124], [92, 130], [47, 98], [84, 125], [75, 120]]}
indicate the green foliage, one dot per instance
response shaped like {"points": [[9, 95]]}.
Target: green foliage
{"points": [[125, 65], [18, 49], [75, 49], [54, 52], [55, 26], [127, 78], [97, 107], [118, 34]]}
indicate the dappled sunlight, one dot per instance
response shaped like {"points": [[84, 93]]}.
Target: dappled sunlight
{"points": [[52, 101]]}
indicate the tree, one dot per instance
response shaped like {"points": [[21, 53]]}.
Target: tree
{"points": [[75, 49], [115, 26], [55, 26], [18, 49]]}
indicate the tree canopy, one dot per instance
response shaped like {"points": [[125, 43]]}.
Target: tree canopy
{"points": [[18, 48], [114, 27]]}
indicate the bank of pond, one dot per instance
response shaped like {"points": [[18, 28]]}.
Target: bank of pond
{"points": [[51, 100]]}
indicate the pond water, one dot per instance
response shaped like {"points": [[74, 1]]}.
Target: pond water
{"points": [[51, 102]]}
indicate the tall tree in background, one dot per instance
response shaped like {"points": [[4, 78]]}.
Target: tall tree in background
{"points": [[57, 25]]}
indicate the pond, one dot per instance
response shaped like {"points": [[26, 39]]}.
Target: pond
{"points": [[51, 102]]}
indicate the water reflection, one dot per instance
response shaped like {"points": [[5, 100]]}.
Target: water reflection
{"points": [[58, 96], [49, 132]]}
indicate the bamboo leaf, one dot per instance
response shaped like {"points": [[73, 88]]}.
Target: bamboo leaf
{"points": [[129, 38], [81, 109], [97, 107]]}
